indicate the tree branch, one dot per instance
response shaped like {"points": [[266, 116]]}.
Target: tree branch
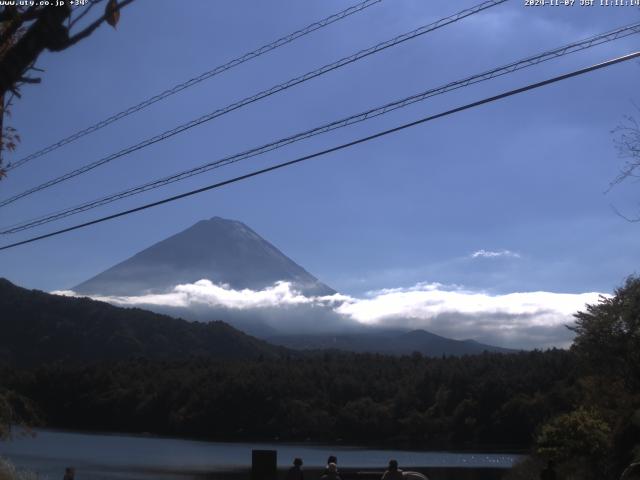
{"points": [[622, 215], [48, 31], [30, 80], [92, 27]]}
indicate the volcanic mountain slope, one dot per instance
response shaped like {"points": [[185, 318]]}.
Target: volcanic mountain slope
{"points": [[37, 327], [229, 252], [223, 251], [387, 342]]}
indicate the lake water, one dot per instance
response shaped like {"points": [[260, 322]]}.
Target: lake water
{"points": [[98, 457]]}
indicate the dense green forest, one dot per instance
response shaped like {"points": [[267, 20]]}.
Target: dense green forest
{"points": [[491, 399], [37, 327], [579, 407]]}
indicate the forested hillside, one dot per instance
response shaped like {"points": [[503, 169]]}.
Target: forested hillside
{"points": [[37, 327], [488, 400], [580, 407]]}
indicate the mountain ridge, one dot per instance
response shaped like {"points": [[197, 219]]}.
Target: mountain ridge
{"points": [[229, 253], [387, 342], [220, 250], [37, 327]]}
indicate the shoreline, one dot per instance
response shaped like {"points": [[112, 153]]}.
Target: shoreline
{"points": [[489, 450], [243, 473], [313, 473], [144, 457]]}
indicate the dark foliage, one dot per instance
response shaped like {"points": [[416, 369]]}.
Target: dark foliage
{"points": [[36, 327], [607, 346], [608, 335], [580, 407], [491, 400]]}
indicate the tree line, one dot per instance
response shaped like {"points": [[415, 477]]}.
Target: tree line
{"points": [[579, 407]]}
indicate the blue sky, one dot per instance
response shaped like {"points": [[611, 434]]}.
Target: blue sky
{"points": [[527, 174]]}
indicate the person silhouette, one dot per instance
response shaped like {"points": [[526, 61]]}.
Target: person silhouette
{"points": [[331, 473], [331, 459], [393, 472], [295, 472]]}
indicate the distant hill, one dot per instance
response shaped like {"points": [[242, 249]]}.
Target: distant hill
{"points": [[220, 250], [389, 342], [229, 252], [37, 327]]}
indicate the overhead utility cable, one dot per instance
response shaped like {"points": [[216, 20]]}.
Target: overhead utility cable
{"points": [[259, 96], [360, 117], [278, 166], [194, 81]]}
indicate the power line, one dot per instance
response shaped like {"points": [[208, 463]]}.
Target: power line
{"points": [[360, 117], [255, 173], [200, 78], [259, 96]]}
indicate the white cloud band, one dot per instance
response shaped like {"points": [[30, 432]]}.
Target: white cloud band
{"points": [[494, 254], [517, 320]]}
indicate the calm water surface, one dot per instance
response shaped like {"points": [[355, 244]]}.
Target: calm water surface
{"points": [[98, 457]]}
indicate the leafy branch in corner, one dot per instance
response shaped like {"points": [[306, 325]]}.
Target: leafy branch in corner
{"points": [[27, 31]]}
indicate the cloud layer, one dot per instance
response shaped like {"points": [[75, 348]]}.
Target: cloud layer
{"points": [[515, 320], [522, 320], [494, 254]]}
